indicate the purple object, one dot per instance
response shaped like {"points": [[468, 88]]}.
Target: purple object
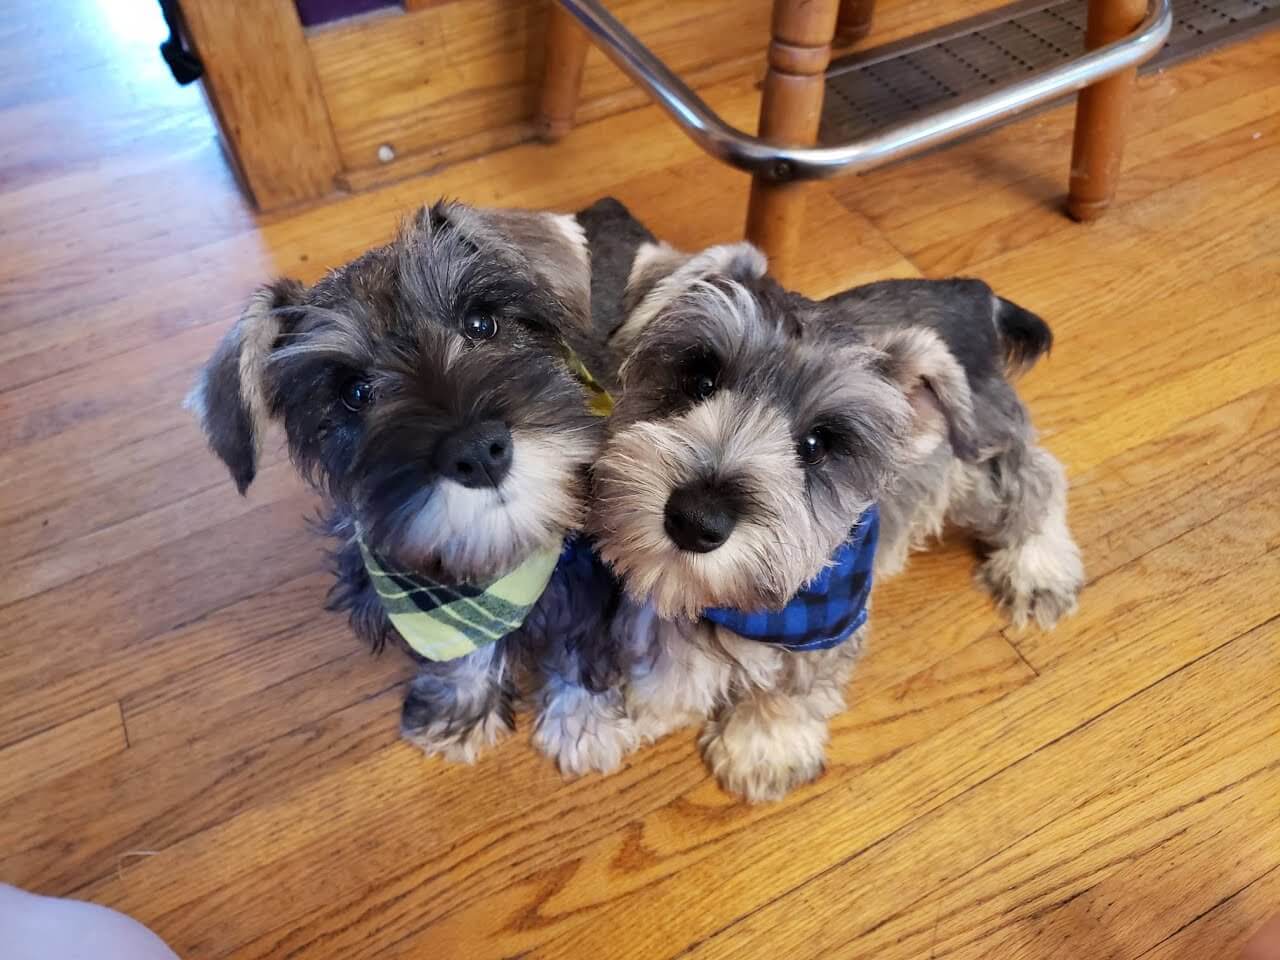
{"points": [[315, 12]]}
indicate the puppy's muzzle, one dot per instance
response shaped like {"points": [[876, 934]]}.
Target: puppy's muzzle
{"points": [[698, 518], [477, 455]]}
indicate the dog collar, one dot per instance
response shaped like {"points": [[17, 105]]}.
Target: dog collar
{"points": [[444, 621], [824, 612]]}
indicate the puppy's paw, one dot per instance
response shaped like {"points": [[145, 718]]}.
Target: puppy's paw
{"points": [[1038, 579], [761, 755], [584, 732], [457, 742]]}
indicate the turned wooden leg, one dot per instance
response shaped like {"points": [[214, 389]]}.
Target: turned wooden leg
{"points": [[791, 107], [854, 21], [566, 52], [1102, 114]]}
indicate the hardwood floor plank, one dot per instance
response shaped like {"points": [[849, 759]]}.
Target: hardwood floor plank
{"points": [[1207, 466], [49, 215], [70, 746], [1224, 839], [235, 756], [1226, 928], [1210, 466], [111, 610], [991, 875], [135, 536], [1098, 366], [75, 335], [42, 409], [1167, 404], [273, 670], [56, 695], [539, 826], [54, 522]]}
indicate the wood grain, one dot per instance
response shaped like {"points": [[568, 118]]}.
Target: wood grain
{"points": [[1226, 927], [263, 87], [37, 759], [169, 682], [1005, 886]]}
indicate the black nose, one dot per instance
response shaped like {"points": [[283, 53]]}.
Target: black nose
{"points": [[697, 519], [476, 456]]}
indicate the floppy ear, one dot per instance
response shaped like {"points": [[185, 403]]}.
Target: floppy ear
{"points": [[553, 244], [935, 384], [653, 262], [660, 274], [230, 397]]}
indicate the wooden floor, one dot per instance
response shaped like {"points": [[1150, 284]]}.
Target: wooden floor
{"points": [[186, 736]]}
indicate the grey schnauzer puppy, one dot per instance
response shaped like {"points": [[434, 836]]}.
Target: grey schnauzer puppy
{"points": [[754, 428], [428, 390]]}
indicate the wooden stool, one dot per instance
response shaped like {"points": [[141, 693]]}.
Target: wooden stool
{"points": [[803, 33]]}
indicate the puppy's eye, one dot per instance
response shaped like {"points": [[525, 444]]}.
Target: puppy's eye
{"points": [[700, 378], [813, 446], [480, 326], [356, 394]]}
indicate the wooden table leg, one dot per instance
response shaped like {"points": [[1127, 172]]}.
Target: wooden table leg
{"points": [[566, 52], [854, 21], [790, 110], [1102, 114]]}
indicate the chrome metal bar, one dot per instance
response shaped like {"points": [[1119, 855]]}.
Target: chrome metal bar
{"points": [[776, 162]]}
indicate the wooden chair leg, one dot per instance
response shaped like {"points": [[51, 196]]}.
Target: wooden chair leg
{"points": [[790, 110], [1102, 114], [854, 21], [566, 52]]}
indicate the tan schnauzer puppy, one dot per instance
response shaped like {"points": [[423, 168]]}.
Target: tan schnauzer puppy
{"points": [[760, 443]]}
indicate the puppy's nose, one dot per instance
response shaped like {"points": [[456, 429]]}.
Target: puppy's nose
{"points": [[697, 520], [477, 456]]}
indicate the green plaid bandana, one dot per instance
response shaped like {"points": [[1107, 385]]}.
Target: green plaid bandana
{"points": [[443, 621]]}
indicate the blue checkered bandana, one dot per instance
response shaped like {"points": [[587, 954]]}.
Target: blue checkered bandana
{"points": [[827, 610]]}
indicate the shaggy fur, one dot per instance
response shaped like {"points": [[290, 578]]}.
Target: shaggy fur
{"points": [[377, 374], [728, 384]]}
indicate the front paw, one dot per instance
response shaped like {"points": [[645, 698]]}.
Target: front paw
{"points": [[455, 741], [761, 758], [1039, 579], [584, 732]]}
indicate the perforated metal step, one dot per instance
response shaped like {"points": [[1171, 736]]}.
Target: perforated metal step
{"points": [[870, 90]]}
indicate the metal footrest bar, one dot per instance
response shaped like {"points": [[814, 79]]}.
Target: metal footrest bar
{"points": [[868, 90], [955, 119]]}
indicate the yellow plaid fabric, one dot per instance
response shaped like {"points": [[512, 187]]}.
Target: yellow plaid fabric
{"points": [[443, 621]]}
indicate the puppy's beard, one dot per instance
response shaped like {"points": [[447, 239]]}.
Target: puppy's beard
{"points": [[479, 534], [776, 547]]}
